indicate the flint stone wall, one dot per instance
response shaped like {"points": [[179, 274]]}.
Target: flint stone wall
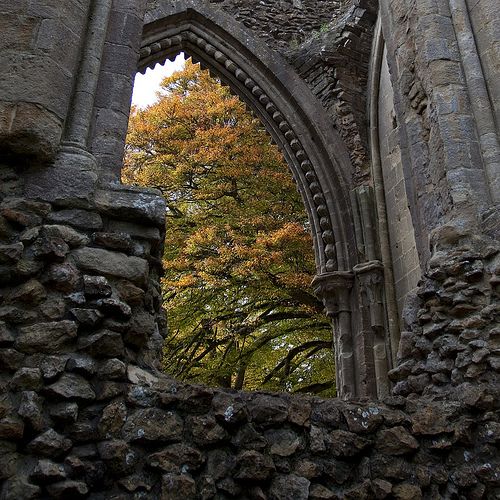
{"points": [[84, 413]]}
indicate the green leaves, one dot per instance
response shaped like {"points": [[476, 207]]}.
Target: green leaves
{"points": [[238, 254]]}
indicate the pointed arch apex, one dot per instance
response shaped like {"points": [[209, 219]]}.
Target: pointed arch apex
{"points": [[273, 90]]}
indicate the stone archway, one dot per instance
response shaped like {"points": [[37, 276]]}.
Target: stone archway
{"points": [[317, 158], [343, 218], [83, 413], [274, 92]]}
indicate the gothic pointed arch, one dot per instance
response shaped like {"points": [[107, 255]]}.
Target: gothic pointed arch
{"points": [[320, 164], [294, 118]]}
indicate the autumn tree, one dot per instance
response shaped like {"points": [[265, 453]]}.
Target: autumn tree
{"points": [[238, 254]]}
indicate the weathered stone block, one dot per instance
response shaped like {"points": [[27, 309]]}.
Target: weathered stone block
{"points": [[174, 457], [112, 369], [135, 230], [96, 286], [363, 419], [11, 428], [289, 486], [254, 466], [229, 408], [205, 430], [109, 263], [27, 379], [81, 219], [118, 456], [11, 253], [141, 327], [112, 420], [80, 363], [132, 204], [266, 409], [47, 471], [87, 317], [177, 487], [346, 444], [50, 444], [64, 412], [71, 386], [396, 441], [31, 292], [152, 425], [104, 343], [46, 337], [114, 241], [68, 489], [17, 487], [114, 308], [6, 336], [284, 442]]}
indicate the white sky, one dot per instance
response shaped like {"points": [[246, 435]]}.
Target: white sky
{"points": [[146, 86]]}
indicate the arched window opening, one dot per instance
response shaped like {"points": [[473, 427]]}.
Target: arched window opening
{"points": [[238, 255]]}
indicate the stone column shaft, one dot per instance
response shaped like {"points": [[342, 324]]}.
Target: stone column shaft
{"points": [[370, 276], [334, 289], [479, 97], [78, 125], [72, 179]]}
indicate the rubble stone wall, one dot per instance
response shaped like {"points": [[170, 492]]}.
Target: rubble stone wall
{"points": [[84, 411]]}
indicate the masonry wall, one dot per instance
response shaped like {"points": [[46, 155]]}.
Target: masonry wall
{"points": [[405, 260], [486, 26], [39, 55], [84, 411]]}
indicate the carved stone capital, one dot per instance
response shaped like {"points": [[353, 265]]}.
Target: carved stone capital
{"points": [[334, 289]]}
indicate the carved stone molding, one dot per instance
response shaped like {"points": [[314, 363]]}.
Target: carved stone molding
{"points": [[221, 64], [370, 276], [334, 289]]}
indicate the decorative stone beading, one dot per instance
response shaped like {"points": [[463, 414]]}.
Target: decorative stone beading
{"points": [[153, 52]]}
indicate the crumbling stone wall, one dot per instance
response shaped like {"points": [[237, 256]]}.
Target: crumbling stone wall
{"points": [[284, 24], [84, 411], [329, 44]]}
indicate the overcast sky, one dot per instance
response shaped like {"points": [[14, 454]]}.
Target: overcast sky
{"points": [[146, 86]]}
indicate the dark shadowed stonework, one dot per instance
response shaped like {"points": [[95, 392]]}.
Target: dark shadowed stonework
{"points": [[387, 115]]}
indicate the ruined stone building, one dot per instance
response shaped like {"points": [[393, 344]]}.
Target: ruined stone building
{"points": [[388, 116]]}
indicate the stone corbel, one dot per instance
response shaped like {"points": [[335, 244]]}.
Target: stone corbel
{"points": [[334, 290]]}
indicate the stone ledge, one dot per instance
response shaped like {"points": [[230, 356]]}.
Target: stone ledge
{"points": [[132, 204]]}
